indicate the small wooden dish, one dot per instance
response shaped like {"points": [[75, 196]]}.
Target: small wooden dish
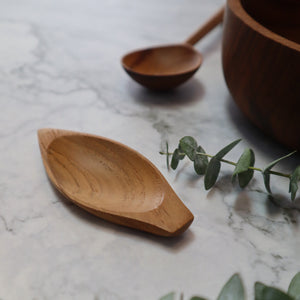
{"points": [[261, 64], [112, 181]]}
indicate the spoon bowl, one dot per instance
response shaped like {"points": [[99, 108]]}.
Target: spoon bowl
{"points": [[112, 181], [162, 67], [166, 67]]}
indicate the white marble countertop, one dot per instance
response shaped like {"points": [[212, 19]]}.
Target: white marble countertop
{"points": [[60, 67]]}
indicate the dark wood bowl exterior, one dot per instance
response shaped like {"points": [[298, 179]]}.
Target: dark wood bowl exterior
{"points": [[262, 71]]}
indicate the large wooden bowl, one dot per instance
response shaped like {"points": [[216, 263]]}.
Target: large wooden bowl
{"points": [[261, 64]]}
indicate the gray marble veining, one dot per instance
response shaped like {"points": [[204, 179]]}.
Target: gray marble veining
{"points": [[60, 67]]}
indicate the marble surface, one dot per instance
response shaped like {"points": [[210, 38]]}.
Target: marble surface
{"points": [[60, 67]]}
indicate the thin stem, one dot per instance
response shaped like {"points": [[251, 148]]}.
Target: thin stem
{"points": [[234, 164], [280, 174]]}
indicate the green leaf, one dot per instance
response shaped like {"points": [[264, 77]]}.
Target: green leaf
{"points": [[266, 176], [168, 158], [197, 298], [245, 178], [188, 145], [233, 289], [294, 287], [266, 171], [245, 161], [273, 163], [245, 174], [226, 149], [212, 173], [170, 296], [176, 157], [294, 183], [263, 292], [214, 165], [200, 162]]}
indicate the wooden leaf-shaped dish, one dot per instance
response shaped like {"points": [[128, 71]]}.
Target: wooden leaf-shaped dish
{"points": [[112, 181]]}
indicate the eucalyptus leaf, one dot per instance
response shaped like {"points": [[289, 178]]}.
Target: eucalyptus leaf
{"points": [[197, 298], [176, 157], [245, 174], [295, 177], [168, 158], [226, 149], [245, 161], [233, 289], [266, 171], [200, 162], [263, 292], [294, 287], [170, 296], [273, 163], [188, 145], [212, 173], [266, 176], [245, 178]]}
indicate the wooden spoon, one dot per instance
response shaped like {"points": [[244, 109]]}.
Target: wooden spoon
{"points": [[166, 67], [112, 181]]}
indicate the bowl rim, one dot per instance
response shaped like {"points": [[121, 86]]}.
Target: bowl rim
{"points": [[238, 9]]}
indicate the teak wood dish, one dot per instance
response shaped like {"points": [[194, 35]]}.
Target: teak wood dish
{"points": [[112, 181], [261, 64]]}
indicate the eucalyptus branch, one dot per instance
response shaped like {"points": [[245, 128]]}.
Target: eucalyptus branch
{"points": [[231, 163], [234, 289], [209, 165]]}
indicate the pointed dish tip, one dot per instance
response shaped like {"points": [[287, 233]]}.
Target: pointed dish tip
{"points": [[112, 181]]}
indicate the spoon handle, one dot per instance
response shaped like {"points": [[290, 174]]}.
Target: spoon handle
{"points": [[215, 20]]}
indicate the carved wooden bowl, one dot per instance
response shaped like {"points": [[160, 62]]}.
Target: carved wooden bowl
{"points": [[261, 64]]}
